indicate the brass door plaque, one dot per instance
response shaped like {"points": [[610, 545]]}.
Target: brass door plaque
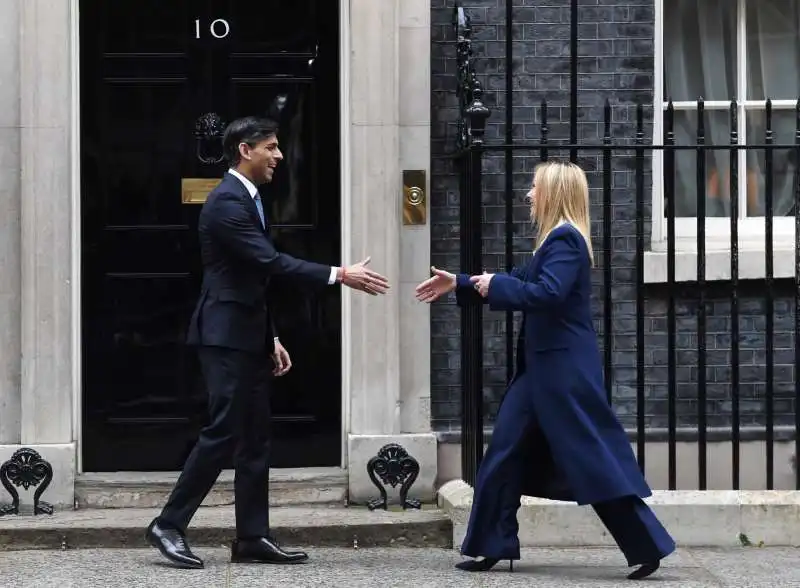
{"points": [[196, 190], [414, 205]]}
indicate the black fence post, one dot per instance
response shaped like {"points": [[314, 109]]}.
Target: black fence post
{"points": [[509, 190], [573, 80], [669, 196], [640, 308], [608, 319], [701, 288], [472, 125], [797, 295], [770, 297], [734, 191], [472, 316]]}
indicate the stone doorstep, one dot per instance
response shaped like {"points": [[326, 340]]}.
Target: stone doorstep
{"points": [[214, 527], [288, 487], [711, 518]]}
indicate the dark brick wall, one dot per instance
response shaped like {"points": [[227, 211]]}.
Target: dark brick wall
{"points": [[615, 64]]}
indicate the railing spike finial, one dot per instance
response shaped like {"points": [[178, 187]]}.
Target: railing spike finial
{"points": [[473, 112], [477, 114]]}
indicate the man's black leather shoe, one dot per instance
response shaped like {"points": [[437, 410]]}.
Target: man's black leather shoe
{"points": [[263, 550], [172, 545]]}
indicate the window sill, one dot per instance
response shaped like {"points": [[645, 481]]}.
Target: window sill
{"points": [[752, 264]]}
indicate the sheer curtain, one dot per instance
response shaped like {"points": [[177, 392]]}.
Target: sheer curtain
{"points": [[700, 60], [773, 72]]}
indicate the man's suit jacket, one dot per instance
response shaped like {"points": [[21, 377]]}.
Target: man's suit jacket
{"points": [[238, 259]]}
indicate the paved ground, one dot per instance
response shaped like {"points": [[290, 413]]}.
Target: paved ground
{"points": [[322, 525], [396, 567]]}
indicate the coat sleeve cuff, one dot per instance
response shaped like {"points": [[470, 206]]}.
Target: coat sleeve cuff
{"points": [[498, 291], [462, 281]]}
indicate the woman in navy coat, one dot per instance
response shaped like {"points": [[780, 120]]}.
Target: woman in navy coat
{"points": [[555, 435]]}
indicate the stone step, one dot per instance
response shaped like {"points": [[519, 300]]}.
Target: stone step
{"points": [[695, 518], [287, 487], [294, 526]]}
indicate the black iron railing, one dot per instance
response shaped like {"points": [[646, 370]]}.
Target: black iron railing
{"points": [[639, 151]]}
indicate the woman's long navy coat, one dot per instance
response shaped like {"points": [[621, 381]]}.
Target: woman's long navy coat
{"points": [[578, 451]]}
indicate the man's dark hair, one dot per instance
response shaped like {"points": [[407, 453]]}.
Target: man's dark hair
{"points": [[250, 130]]}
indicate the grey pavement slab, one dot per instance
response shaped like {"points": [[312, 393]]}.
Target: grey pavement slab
{"points": [[324, 526], [395, 568]]}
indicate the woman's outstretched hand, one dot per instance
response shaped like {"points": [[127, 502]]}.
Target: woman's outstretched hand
{"points": [[433, 288]]}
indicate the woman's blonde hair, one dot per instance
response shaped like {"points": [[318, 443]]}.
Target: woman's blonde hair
{"points": [[562, 194]]}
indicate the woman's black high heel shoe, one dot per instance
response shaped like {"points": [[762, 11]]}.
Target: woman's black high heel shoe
{"points": [[482, 565], [644, 571]]}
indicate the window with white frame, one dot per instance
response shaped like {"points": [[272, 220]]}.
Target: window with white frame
{"points": [[723, 50]]}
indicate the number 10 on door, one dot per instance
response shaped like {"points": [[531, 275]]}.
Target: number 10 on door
{"points": [[219, 28]]}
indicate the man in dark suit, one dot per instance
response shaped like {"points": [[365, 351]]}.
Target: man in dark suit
{"points": [[231, 328]]}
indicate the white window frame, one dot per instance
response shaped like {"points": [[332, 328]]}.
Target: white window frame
{"points": [[751, 230]]}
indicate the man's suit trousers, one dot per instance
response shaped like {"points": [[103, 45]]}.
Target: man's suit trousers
{"points": [[239, 426]]}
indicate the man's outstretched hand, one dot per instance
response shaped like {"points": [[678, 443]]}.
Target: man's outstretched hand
{"points": [[359, 277]]}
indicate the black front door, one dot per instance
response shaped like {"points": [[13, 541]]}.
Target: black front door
{"points": [[156, 78]]}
